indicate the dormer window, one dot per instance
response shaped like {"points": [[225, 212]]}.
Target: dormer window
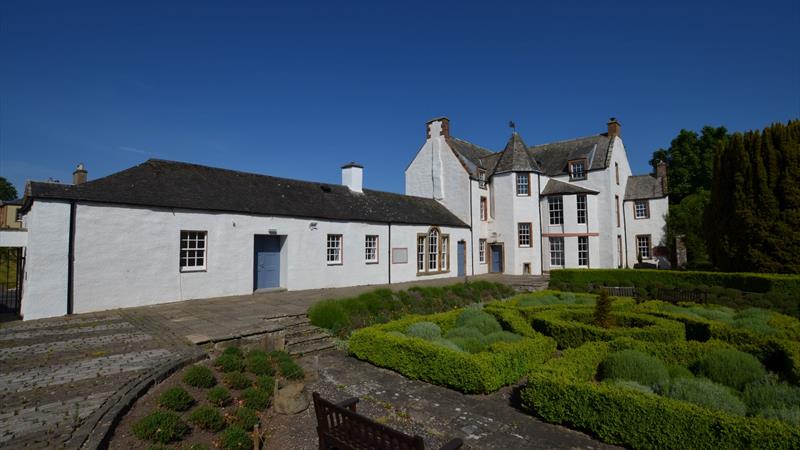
{"points": [[577, 169], [482, 178]]}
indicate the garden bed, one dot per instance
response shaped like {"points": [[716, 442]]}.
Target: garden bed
{"points": [[464, 361]]}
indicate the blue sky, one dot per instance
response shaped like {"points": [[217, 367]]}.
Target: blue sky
{"points": [[296, 89]]}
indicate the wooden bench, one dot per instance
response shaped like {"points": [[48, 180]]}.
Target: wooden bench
{"points": [[340, 427]]}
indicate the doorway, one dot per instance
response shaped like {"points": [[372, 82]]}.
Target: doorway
{"points": [[496, 252], [267, 262], [462, 258]]}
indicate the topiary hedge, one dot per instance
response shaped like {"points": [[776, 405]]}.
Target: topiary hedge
{"points": [[573, 327], [504, 363], [563, 391]]}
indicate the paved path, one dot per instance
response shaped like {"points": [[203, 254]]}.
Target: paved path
{"points": [[60, 379], [437, 414]]}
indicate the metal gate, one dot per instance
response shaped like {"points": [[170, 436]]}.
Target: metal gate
{"points": [[12, 272]]}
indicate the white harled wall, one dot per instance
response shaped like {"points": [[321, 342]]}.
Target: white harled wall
{"points": [[654, 226]]}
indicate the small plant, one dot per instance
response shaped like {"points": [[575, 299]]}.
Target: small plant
{"points": [[237, 380], [235, 438], [705, 393], [176, 399], [255, 398], [424, 330], [233, 351], [447, 344], [730, 367], [676, 371], [199, 376], [633, 365], [160, 427], [770, 394], [229, 363], [602, 310], [470, 344], [288, 367], [208, 418], [501, 336], [266, 383], [258, 363], [219, 396], [244, 417], [463, 332], [632, 385], [479, 320]]}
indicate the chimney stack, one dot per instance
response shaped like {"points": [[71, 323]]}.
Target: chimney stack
{"points": [[661, 174], [79, 175], [439, 126], [614, 127], [353, 176]]}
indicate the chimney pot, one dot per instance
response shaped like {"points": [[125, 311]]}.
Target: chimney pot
{"points": [[439, 126], [614, 127], [80, 175], [353, 176]]}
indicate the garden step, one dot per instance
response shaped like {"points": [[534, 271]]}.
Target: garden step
{"points": [[319, 335], [310, 347], [300, 330]]}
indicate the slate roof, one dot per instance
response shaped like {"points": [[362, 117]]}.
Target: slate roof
{"points": [[555, 187], [469, 153], [11, 202], [170, 184], [515, 157], [642, 187], [553, 158]]}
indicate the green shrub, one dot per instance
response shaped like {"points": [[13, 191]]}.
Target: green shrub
{"points": [[258, 363], [769, 393], [678, 371], [176, 399], [424, 330], [160, 426], [235, 438], [244, 418], [447, 344], [233, 351], [501, 336], [632, 385], [463, 332], [705, 393], [287, 366], [265, 383], [255, 398], [199, 376], [219, 396], [602, 310], [790, 415], [229, 363], [730, 367], [237, 380], [208, 418], [633, 365], [469, 344], [429, 361], [484, 322]]}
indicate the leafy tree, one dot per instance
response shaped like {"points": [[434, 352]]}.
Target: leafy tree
{"points": [[7, 190], [686, 219], [690, 159]]}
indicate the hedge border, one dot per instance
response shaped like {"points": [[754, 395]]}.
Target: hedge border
{"points": [[563, 392], [503, 364], [569, 333]]}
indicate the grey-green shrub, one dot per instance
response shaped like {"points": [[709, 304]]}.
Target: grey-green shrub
{"points": [[424, 330], [463, 332], [769, 393], [632, 385], [481, 321], [501, 336], [791, 415], [469, 345], [634, 365], [705, 393], [447, 344], [730, 367]]}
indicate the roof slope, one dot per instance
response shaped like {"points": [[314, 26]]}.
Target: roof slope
{"points": [[642, 187], [469, 153], [554, 158], [171, 184], [555, 187], [515, 157]]}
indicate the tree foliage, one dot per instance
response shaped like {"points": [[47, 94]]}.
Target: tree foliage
{"points": [[7, 190], [686, 219], [753, 223]]}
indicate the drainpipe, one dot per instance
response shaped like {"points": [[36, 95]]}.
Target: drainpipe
{"points": [[471, 237], [539, 211], [625, 234], [71, 259], [389, 252]]}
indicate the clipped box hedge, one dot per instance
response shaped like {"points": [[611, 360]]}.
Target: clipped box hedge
{"points": [[563, 391], [570, 329], [502, 364], [746, 282]]}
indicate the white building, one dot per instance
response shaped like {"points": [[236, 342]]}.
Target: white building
{"points": [[166, 231], [570, 204]]}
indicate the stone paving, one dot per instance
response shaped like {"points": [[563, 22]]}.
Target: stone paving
{"points": [[59, 376]]}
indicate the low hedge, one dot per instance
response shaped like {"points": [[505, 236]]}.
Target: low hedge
{"points": [[342, 316], [563, 391], [572, 328], [504, 363], [747, 282]]}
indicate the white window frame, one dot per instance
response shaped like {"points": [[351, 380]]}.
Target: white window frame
{"points": [[583, 251], [481, 178], [643, 212], [433, 250], [484, 206], [581, 203], [445, 260], [573, 165], [524, 238], [371, 248], [421, 241], [481, 251], [523, 184], [555, 205], [556, 252], [193, 247], [644, 246], [334, 249]]}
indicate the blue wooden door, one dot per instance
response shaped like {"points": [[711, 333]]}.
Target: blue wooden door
{"points": [[462, 257], [497, 258], [267, 262]]}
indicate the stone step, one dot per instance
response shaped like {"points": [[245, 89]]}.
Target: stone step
{"points": [[300, 330], [310, 347], [318, 336]]}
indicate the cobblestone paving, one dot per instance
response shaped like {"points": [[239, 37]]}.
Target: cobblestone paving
{"points": [[56, 375]]}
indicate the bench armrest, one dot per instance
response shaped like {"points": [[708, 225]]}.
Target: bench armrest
{"points": [[350, 404], [455, 444]]}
